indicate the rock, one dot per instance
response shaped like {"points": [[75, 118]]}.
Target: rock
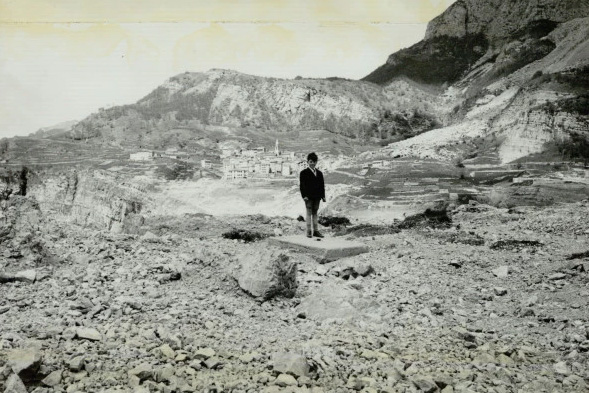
{"points": [[204, 353], [15, 385], [425, 384], [248, 357], [456, 263], [557, 276], [290, 363], [167, 351], [364, 269], [54, 378], [164, 374], [505, 360], [213, 362], [26, 276], [561, 368], [500, 291], [284, 380], [142, 371], [88, 334], [331, 301], [501, 271], [532, 300], [24, 361], [76, 363], [266, 272]]}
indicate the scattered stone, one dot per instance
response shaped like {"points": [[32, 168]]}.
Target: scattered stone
{"points": [[562, 368], [456, 263], [53, 379], [425, 384], [76, 363], [500, 291], [142, 371], [88, 334], [290, 363], [167, 351], [501, 271], [213, 362], [204, 353], [329, 301], [557, 276], [24, 361], [26, 276], [285, 380], [532, 300], [15, 385], [248, 357]]}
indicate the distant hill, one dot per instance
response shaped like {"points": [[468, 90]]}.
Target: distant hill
{"points": [[54, 130], [197, 102]]}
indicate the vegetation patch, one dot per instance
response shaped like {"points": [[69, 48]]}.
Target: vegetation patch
{"points": [[177, 171], [515, 245], [398, 126], [367, 230], [468, 238], [435, 61], [334, 221], [578, 255], [245, 235], [437, 219]]}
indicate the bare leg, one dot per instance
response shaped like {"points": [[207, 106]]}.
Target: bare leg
{"points": [[309, 217], [315, 223]]}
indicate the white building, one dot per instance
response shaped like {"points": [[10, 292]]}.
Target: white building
{"points": [[141, 156], [206, 164]]}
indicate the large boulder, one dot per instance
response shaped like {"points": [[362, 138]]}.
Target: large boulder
{"points": [[266, 272]]}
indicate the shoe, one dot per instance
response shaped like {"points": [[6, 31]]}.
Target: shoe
{"points": [[309, 234], [317, 234]]}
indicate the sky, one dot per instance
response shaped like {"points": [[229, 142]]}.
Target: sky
{"points": [[62, 60]]}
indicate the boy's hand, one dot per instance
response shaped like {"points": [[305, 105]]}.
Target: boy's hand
{"points": [[305, 199], [323, 199]]}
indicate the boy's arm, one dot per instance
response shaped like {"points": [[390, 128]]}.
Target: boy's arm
{"points": [[303, 185]]}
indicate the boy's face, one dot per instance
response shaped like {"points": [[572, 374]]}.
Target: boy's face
{"points": [[311, 164]]}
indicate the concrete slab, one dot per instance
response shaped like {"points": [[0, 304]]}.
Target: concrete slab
{"points": [[328, 249]]}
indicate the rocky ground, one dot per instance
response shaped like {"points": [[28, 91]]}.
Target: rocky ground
{"points": [[493, 301]]}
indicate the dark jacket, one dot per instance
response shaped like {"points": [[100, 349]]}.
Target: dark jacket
{"points": [[312, 187]]}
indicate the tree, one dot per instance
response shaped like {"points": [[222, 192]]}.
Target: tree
{"points": [[4, 146]]}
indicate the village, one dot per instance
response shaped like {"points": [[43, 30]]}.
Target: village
{"points": [[254, 163]]}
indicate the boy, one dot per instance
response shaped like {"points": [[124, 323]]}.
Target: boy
{"points": [[313, 191]]}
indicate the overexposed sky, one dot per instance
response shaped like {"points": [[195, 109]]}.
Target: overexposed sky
{"points": [[63, 59]]}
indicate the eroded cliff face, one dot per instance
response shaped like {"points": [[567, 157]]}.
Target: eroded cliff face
{"points": [[500, 19], [90, 198]]}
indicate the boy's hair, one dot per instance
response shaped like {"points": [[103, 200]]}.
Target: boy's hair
{"points": [[312, 157]]}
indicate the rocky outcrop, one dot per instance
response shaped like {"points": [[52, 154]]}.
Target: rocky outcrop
{"points": [[94, 198], [500, 19], [474, 32]]}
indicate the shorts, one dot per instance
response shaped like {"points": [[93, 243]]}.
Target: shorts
{"points": [[312, 205]]}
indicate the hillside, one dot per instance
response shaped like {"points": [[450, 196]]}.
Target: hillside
{"points": [[514, 86], [193, 104]]}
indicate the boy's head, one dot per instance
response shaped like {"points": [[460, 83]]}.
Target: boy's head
{"points": [[312, 157]]}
